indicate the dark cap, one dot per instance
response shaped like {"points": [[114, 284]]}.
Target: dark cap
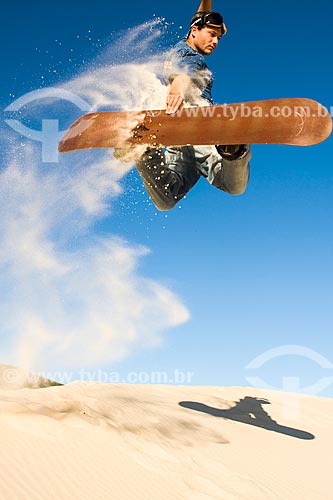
{"points": [[208, 18]]}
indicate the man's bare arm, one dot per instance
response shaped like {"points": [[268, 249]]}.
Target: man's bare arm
{"points": [[205, 6], [177, 92]]}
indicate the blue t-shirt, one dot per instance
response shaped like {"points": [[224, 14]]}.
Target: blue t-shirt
{"points": [[184, 59]]}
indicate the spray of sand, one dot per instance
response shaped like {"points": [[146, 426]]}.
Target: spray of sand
{"points": [[70, 298]]}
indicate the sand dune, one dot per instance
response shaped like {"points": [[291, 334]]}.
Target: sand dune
{"points": [[90, 441]]}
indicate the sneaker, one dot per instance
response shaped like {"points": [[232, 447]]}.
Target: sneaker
{"points": [[125, 154], [233, 152], [129, 154]]}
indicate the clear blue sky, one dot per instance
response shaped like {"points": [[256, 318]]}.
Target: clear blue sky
{"points": [[254, 272]]}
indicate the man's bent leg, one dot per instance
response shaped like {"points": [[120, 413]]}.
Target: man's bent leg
{"points": [[231, 176], [168, 176]]}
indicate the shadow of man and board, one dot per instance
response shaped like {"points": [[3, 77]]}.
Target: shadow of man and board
{"points": [[249, 410]]}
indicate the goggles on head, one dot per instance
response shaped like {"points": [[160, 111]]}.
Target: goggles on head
{"points": [[209, 19]]}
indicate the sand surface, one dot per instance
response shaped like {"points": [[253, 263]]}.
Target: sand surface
{"points": [[88, 441]]}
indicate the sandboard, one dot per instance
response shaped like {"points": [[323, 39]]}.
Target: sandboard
{"points": [[292, 121]]}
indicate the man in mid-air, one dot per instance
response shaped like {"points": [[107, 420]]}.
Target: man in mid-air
{"points": [[169, 175]]}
